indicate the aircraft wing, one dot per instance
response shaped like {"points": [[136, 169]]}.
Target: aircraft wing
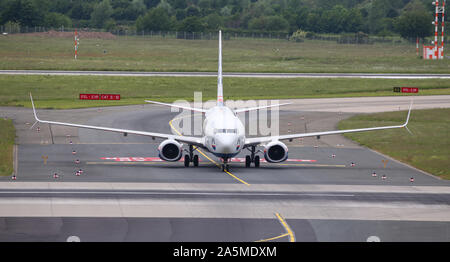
{"points": [[258, 140], [196, 141]]}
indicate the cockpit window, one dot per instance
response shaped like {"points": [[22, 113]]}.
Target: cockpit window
{"points": [[225, 131]]}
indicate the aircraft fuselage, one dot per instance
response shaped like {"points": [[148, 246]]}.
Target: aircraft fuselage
{"points": [[224, 132]]}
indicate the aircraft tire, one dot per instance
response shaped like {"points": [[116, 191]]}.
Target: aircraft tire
{"points": [[187, 160], [248, 161], [256, 161], [195, 160]]}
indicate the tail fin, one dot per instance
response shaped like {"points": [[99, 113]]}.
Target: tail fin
{"points": [[219, 74]]}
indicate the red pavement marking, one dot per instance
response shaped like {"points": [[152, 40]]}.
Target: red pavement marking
{"points": [[137, 159], [157, 159]]}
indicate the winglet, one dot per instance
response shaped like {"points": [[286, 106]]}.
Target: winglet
{"points": [[34, 109], [409, 113]]}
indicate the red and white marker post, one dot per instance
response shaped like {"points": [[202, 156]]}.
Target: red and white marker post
{"points": [[436, 20], [76, 41], [442, 29], [417, 46], [436, 51]]}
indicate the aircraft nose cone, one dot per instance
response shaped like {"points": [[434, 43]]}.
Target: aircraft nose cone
{"points": [[226, 143]]}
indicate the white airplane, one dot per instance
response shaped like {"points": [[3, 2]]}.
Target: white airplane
{"points": [[223, 133]]}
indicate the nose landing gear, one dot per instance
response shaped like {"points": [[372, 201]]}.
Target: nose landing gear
{"points": [[225, 167]]}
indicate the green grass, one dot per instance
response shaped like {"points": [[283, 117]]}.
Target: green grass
{"points": [[7, 136], [63, 91], [239, 55], [427, 149]]}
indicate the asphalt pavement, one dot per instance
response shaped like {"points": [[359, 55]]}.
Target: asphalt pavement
{"points": [[327, 193]]}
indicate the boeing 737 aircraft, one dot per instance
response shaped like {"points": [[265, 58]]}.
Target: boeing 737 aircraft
{"points": [[223, 133]]}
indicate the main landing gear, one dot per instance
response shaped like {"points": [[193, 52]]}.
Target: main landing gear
{"points": [[252, 158], [191, 157]]}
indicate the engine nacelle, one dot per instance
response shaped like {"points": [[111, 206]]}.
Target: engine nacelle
{"points": [[170, 150], [275, 152]]}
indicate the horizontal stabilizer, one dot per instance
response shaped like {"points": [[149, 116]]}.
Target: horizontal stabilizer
{"points": [[242, 110], [177, 106]]}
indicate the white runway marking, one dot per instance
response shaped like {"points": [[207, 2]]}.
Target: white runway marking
{"points": [[162, 193], [213, 74]]}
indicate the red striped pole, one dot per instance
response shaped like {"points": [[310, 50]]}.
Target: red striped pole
{"points": [[76, 43], [436, 30], [417, 46], [442, 33]]}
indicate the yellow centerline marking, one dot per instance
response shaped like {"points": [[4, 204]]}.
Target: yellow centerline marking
{"points": [[313, 165], [203, 154], [272, 238], [286, 227]]}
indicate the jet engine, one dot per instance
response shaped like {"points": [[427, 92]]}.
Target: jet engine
{"points": [[170, 150], [275, 152]]}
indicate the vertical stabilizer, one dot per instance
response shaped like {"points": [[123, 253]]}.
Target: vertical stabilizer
{"points": [[219, 74]]}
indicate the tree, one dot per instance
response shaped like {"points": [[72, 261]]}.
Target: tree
{"points": [[225, 11], [313, 22], [179, 4], [164, 4], [151, 3], [414, 24], [354, 21], [131, 11], [11, 12], [24, 12], [378, 10], [102, 12], [296, 18], [213, 22], [204, 4], [30, 15], [334, 19], [59, 6], [192, 24], [156, 19], [57, 20], [192, 11], [138, 6], [327, 16], [81, 11], [269, 23]]}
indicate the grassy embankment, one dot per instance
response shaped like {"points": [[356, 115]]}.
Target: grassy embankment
{"points": [[427, 149], [7, 136], [239, 55], [63, 91]]}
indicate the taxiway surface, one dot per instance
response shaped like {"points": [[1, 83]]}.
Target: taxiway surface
{"points": [[121, 196]]}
